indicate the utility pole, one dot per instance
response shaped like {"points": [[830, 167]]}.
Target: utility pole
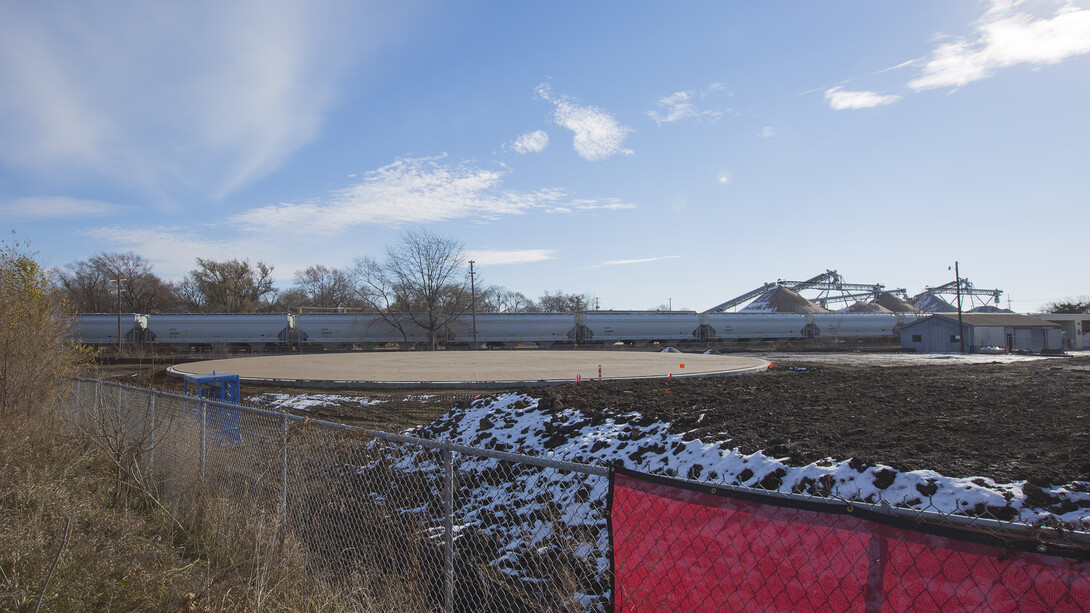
{"points": [[118, 281], [961, 326], [473, 299]]}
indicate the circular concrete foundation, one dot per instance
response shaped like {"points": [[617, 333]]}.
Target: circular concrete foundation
{"points": [[467, 369]]}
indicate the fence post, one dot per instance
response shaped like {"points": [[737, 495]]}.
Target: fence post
{"points": [[283, 474], [448, 531], [204, 430], [152, 444], [119, 425]]}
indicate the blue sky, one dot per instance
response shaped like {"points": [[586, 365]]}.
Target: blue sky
{"points": [[643, 152]]}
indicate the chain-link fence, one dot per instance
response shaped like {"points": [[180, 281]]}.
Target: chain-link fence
{"points": [[440, 526], [435, 526]]}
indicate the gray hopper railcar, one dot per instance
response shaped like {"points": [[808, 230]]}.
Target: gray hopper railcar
{"points": [[343, 331], [101, 328], [220, 331]]}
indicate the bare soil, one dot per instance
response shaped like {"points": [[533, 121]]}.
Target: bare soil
{"points": [[1007, 421], [394, 410], [1015, 421]]}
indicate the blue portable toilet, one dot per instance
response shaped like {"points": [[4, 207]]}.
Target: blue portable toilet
{"points": [[225, 423]]}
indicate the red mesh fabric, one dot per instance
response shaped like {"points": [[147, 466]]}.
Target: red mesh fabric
{"points": [[676, 549]]}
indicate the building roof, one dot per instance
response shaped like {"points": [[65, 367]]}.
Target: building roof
{"points": [[984, 320]]}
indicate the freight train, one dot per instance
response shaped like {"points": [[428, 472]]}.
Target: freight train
{"points": [[346, 331]]}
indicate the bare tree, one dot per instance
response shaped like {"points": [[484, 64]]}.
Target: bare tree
{"points": [[232, 286], [420, 282], [86, 288], [90, 285], [321, 286], [564, 303], [499, 299], [287, 300], [1070, 305], [187, 295]]}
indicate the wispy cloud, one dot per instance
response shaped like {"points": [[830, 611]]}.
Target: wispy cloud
{"points": [[1003, 38], [635, 261], [597, 134], [531, 142], [841, 99], [172, 250], [128, 93], [496, 257], [904, 64], [682, 105], [58, 207], [584, 205], [768, 132], [415, 190]]}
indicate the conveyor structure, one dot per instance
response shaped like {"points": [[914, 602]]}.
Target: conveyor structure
{"points": [[830, 285]]}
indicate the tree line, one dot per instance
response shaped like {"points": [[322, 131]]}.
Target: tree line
{"points": [[1070, 305], [422, 279]]}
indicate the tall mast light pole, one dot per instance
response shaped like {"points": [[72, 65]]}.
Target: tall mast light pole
{"points": [[118, 281], [473, 300], [961, 326]]}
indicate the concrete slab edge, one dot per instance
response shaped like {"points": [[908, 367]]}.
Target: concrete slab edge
{"points": [[457, 385]]}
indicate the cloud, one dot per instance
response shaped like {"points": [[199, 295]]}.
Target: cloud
{"points": [[636, 261], [414, 190], [904, 64], [58, 207], [585, 206], [172, 250], [531, 142], [841, 99], [1005, 38], [768, 132], [597, 134], [675, 107], [496, 257], [679, 105], [128, 93]]}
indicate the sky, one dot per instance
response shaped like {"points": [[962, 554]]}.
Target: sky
{"points": [[646, 153]]}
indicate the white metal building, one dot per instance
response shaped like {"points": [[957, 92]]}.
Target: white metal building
{"points": [[939, 333], [1076, 328]]}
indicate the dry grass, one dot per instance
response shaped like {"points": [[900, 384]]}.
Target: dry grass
{"points": [[86, 525], [127, 552], [80, 529]]}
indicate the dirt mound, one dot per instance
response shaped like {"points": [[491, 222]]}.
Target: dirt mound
{"points": [[987, 308], [606, 437], [782, 300], [930, 303], [894, 304], [864, 307]]}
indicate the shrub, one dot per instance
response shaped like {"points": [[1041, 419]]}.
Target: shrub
{"points": [[35, 353]]}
